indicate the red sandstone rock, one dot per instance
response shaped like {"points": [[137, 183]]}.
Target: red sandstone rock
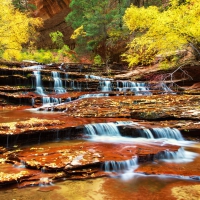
{"points": [[72, 162]]}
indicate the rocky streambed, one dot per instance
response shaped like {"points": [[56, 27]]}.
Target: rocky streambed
{"points": [[73, 122]]}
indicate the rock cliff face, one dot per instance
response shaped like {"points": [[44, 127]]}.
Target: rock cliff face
{"points": [[53, 12], [48, 8]]}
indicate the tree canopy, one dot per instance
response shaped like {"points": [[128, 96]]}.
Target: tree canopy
{"points": [[96, 24], [23, 5], [155, 31], [16, 29]]}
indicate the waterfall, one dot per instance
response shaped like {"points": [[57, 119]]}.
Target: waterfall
{"points": [[93, 95], [108, 129], [58, 88], [119, 166], [166, 154], [46, 100], [36, 67], [105, 86], [96, 77], [50, 100], [145, 133], [171, 133], [137, 87], [178, 156], [76, 86], [111, 129], [157, 133], [39, 88]]}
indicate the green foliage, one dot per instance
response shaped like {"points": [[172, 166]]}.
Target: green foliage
{"points": [[57, 38], [65, 51], [93, 21], [156, 32], [23, 5], [97, 60], [41, 56]]}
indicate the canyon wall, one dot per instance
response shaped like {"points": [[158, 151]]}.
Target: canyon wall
{"points": [[53, 12]]}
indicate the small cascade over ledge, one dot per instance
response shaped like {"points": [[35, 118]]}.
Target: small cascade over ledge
{"points": [[58, 87], [139, 88], [111, 129], [169, 155], [120, 166], [108, 129], [38, 83]]}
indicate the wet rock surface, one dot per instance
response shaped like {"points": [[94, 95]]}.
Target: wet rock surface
{"points": [[25, 162], [85, 160]]}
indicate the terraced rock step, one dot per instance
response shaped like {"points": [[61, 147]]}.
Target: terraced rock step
{"points": [[32, 166]]}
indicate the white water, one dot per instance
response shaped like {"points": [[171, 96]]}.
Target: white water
{"points": [[93, 95], [36, 67], [97, 77], [39, 88], [109, 132], [178, 156], [50, 101], [46, 100], [171, 133], [58, 87], [110, 129], [120, 166], [137, 87], [105, 86]]}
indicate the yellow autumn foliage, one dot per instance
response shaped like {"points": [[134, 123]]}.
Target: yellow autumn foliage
{"points": [[16, 29], [154, 32], [78, 32]]}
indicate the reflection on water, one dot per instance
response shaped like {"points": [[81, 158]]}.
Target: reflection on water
{"points": [[127, 186], [18, 115], [137, 188]]}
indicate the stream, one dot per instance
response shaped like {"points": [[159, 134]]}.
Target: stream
{"points": [[129, 185], [77, 139]]}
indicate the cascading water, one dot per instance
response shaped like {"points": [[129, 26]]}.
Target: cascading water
{"points": [[96, 77], [136, 87], [111, 129], [180, 154], [75, 85], [58, 88], [108, 129], [46, 100], [103, 132], [39, 88], [120, 166], [35, 67], [93, 95], [167, 132], [51, 100], [105, 86]]}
